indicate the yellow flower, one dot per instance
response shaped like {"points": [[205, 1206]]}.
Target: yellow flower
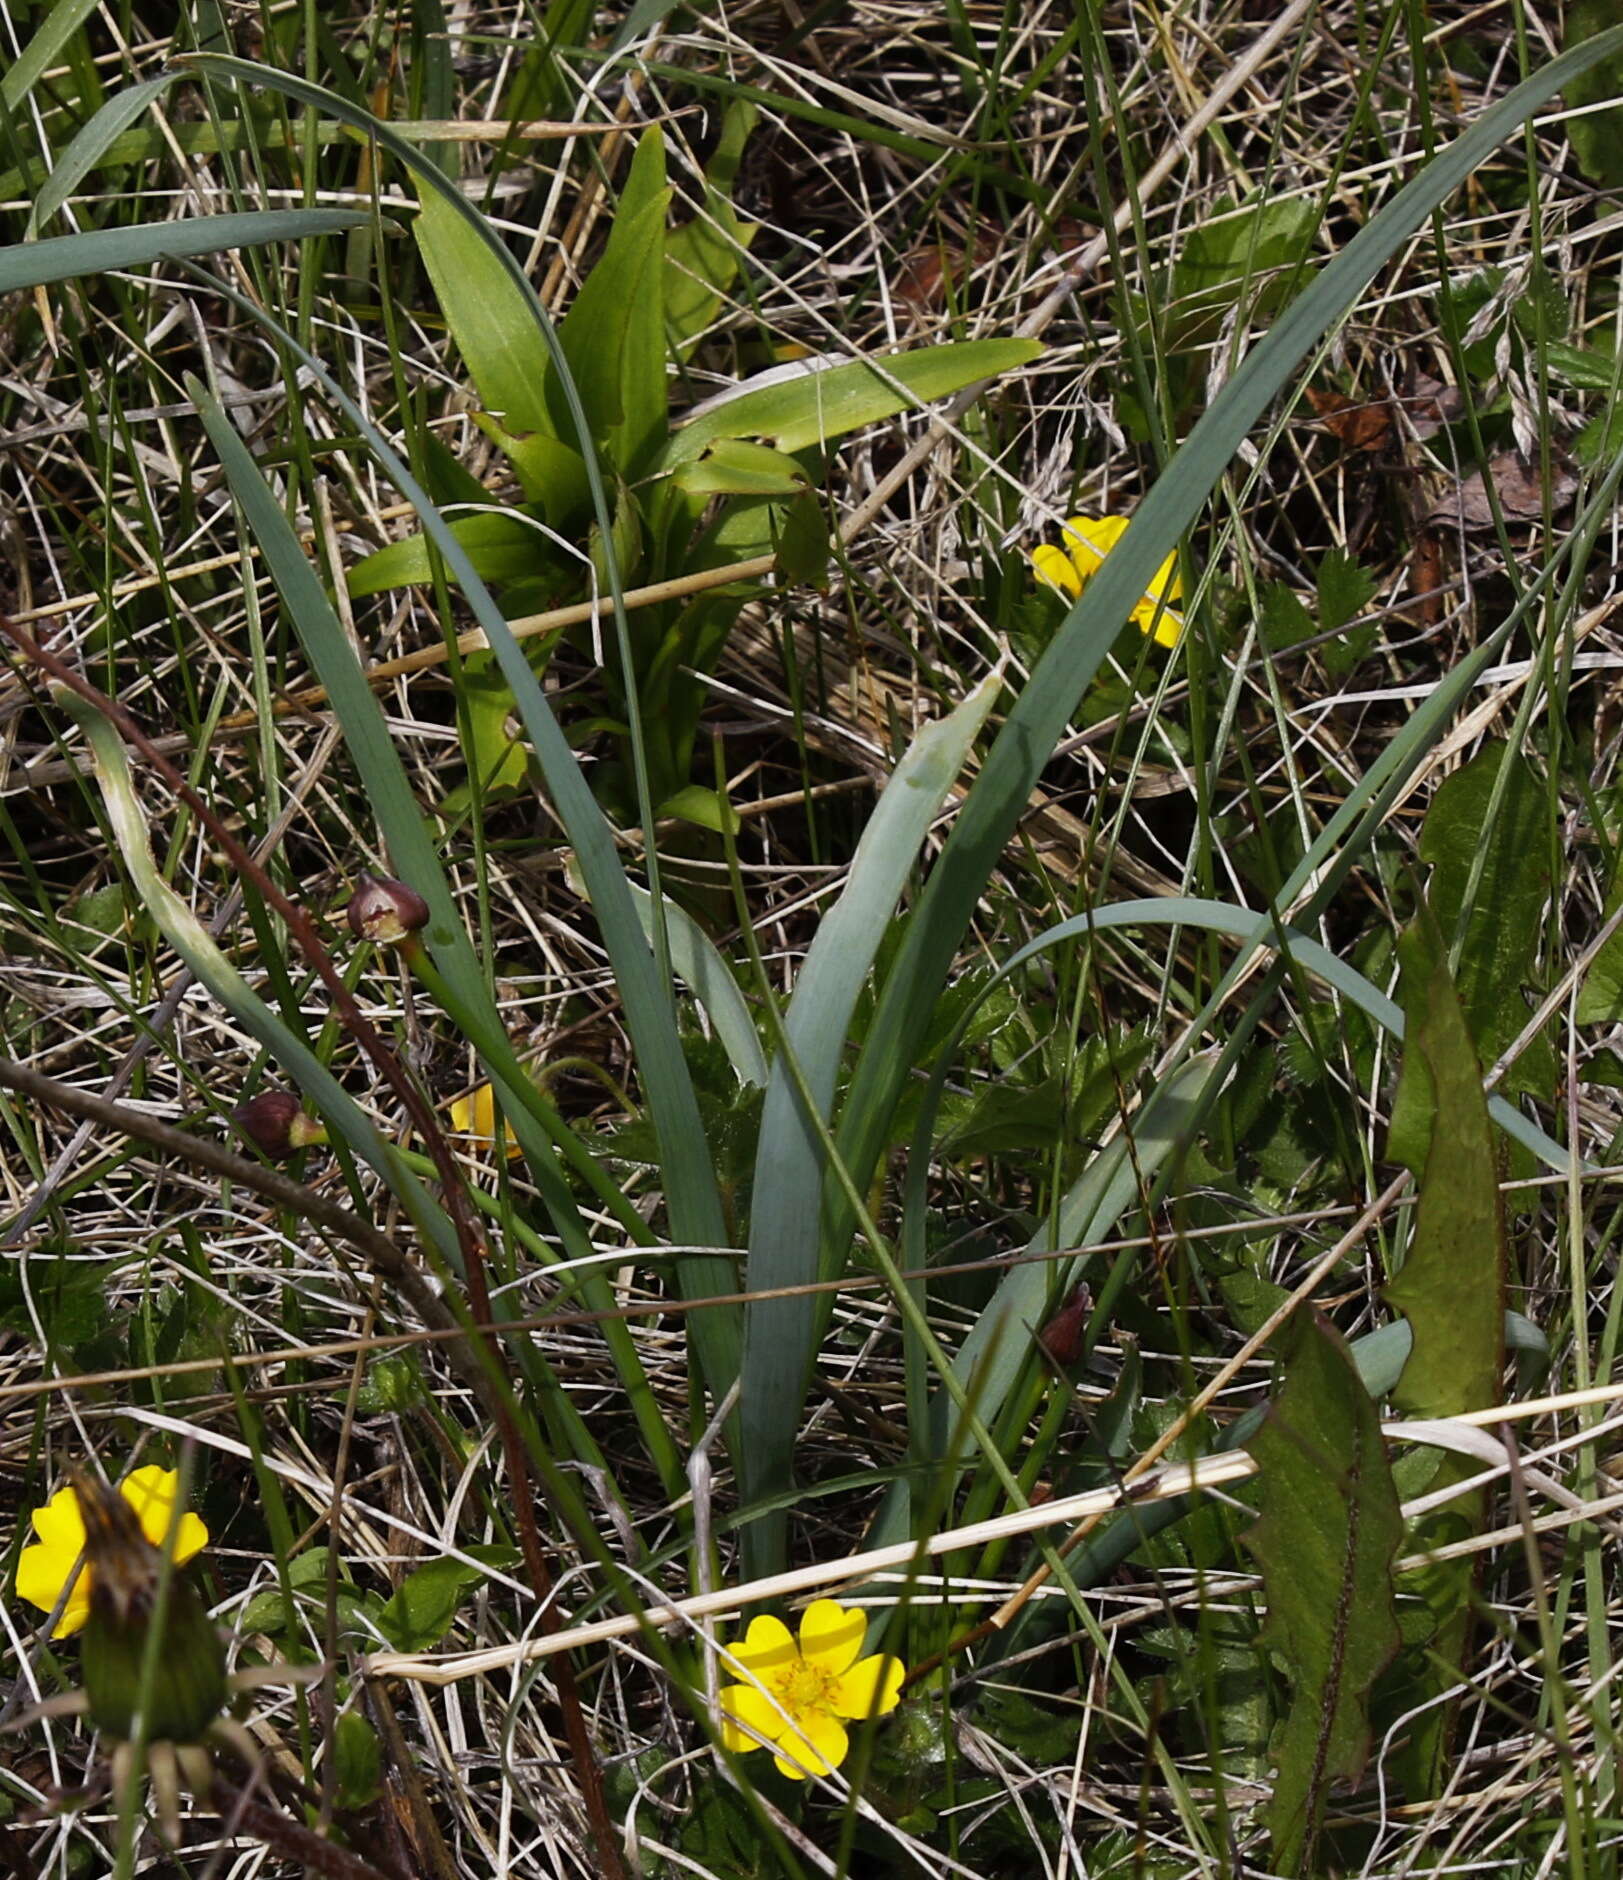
{"points": [[805, 1694], [1088, 539], [43, 1570], [474, 1117]]}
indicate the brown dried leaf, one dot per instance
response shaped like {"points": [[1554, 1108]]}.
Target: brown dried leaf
{"points": [[1519, 487], [1359, 426], [1429, 404]]}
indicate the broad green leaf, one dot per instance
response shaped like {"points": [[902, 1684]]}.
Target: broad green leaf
{"points": [[1600, 998], [495, 753], [549, 471], [614, 334], [702, 257], [1329, 1531], [1597, 137], [1345, 590], [1451, 1288], [733, 466], [424, 1605], [488, 318], [357, 1762], [502, 546], [67, 257], [1232, 249], [695, 803], [816, 406]]}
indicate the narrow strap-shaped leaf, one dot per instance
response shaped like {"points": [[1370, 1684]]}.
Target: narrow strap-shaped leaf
{"points": [[67, 257], [196, 946]]}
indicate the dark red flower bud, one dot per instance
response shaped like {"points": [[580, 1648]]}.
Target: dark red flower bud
{"points": [[1062, 1336], [276, 1124], [385, 912]]}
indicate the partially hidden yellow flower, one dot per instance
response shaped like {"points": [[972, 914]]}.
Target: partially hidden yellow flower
{"points": [[1088, 539], [43, 1570], [805, 1693], [473, 1117]]}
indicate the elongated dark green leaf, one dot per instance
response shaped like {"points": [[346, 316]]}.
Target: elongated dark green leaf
{"points": [[1488, 836], [1033, 727], [702, 258], [43, 50], [613, 337], [92, 143], [1451, 1288], [67, 257], [1329, 1532], [694, 1206], [816, 406]]}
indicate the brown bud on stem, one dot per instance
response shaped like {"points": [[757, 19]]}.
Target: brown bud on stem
{"points": [[386, 912], [276, 1124]]}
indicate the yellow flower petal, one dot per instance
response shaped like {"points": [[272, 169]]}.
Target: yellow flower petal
{"points": [[1053, 565], [151, 1493], [766, 1647], [869, 1689], [818, 1743], [43, 1571], [474, 1116], [831, 1635], [1166, 624], [743, 1703], [1088, 539], [41, 1575]]}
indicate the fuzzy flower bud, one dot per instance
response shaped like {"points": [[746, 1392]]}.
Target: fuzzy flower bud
{"points": [[385, 911], [276, 1124]]}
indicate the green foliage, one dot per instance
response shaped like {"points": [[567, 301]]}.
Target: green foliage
{"points": [[1326, 1540], [1451, 1288], [1597, 137], [424, 1606], [357, 1762]]}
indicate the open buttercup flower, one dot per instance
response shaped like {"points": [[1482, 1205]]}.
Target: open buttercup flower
{"points": [[1088, 539], [804, 1693], [43, 1570]]}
